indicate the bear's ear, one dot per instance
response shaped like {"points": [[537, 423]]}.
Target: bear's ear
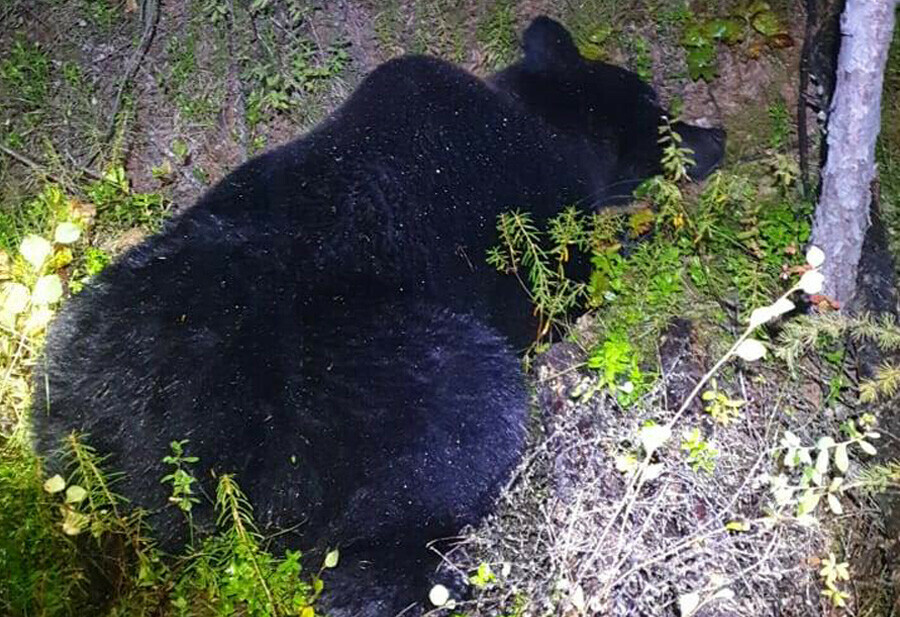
{"points": [[548, 45]]}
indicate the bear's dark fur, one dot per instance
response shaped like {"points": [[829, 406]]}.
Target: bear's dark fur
{"points": [[322, 323]]}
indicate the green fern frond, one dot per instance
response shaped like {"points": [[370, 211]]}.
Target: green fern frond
{"points": [[521, 244], [87, 471], [567, 229], [883, 385], [235, 511], [883, 330], [879, 478], [800, 335], [236, 516]]}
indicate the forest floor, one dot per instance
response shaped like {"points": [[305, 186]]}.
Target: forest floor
{"points": [[123, 112]]}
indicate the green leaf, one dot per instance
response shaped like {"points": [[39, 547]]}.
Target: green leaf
{"points": [[439, 595], [654, 436], [695, 35], [767, 24], [66, 233], [757, 6], [729, 31], [54, 484], [733, 32], [808, 503], [331, 559], [688, 603], [825, 442], [751, 350], [35, 250], [834, 504], [737, 526], [47, 290], [180, 150], [867, 448], [822, 461], [841, 460], [74, 522], [15, 298], [701, 63], [75, 494]]}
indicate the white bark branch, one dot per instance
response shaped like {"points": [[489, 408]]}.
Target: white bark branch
{"points": [[842, 215]]}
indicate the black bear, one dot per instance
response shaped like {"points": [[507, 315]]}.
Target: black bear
{"points": [[323, 324]]}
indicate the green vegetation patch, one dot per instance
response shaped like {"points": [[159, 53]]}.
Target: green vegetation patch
{"points": [[497, 34], [25, 72], [755, 24], [731, 243], [69, 544], [888, 148]]}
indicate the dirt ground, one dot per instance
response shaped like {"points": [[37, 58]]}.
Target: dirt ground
{"points": [[182, 92], [220, 81]]}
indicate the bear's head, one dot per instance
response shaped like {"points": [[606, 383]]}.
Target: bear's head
{"points": [[609, 107]]}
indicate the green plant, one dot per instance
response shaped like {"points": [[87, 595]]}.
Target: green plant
{"points": [[483, 576], [95, 505], [438, 29], [700, 455], [638, 291], [181, 151], [770, 235], [593, 43], [182, 481], [782, 124], [550, 290], [723, 409], [754, 20], [699, 40], [40, 568], [801, 335], [832, 574], [103, 14], [35, 216], [673, 14], [95, 260], [805, 482], [676, 158], [497, 34], [41, 571], [642, 61], [785, 170], [26, 71], [217, 11], [606, 281], [120, 207], [616, 363], [252, 580], [277, 91], [596, 28], [388, 28], [876, 479], [195, 72]]}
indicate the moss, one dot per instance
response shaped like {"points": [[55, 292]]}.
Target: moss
{"points": [[40, 573]]}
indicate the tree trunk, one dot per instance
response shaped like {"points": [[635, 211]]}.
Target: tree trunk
{"points": [[842, 215]]}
